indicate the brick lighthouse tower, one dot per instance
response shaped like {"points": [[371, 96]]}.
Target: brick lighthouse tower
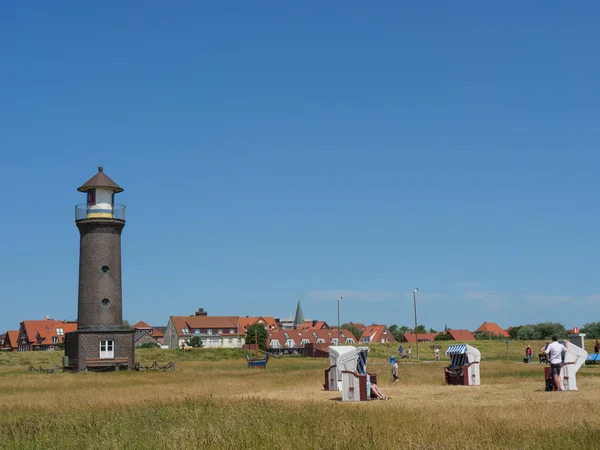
{"points": [[100, 341]]}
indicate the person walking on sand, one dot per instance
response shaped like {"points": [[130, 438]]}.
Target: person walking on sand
{"points": [[395, 371], [436, 352], [528, 353], [554, 354], [409, 353]]}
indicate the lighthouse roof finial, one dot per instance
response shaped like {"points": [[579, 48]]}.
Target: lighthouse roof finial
{"points": [[100, 180]]}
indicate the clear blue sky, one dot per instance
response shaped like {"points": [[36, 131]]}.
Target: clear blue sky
{"points": [[269, 149]]}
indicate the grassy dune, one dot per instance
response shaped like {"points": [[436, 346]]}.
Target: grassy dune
{"points": [[214, 402]]}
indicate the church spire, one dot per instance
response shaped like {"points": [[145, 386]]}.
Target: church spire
{"points": [[299, 319]]}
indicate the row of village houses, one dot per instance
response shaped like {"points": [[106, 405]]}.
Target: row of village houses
{"points": [[226, 332]]}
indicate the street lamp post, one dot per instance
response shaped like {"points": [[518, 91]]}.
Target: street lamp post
{"points": [[339, 342], [415, 306]]}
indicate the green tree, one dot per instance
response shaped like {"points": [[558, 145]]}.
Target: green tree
{"points": [[443, 337], [421, 329], [547, 329], [432, 331], [592, 330], [126, 324], [514, 332], [528, 333], [357, 332], [195, 342], [257, 331]]}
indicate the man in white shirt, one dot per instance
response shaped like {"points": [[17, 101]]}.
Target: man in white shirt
{"points": [[554, 352]]}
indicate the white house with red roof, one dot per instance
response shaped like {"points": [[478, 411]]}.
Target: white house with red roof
{"points": [[213, 331], [377, 334]]}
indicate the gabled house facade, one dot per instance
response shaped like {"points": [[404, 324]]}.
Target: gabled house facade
{"points": [[489, 329], [377, 334], [10, 342], [45, 334], [213, 331], [156, 333]]}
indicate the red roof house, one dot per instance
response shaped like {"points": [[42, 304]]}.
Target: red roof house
{"points": [[423, 337], [461, 335], [268, 322], [154, 332], [10, 342], [491, 328], [44, 334], [377, 334]]}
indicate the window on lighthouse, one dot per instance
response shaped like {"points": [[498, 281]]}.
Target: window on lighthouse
{"points": [[107, 349], [91, 197]]}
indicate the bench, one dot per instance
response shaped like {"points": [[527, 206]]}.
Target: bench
{"points": [[106, 362]]}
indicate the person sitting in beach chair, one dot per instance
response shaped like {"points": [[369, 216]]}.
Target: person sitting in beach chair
{"points": [[376, 393]]}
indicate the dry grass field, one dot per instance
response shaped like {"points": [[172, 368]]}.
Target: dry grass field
{"points": [[212, 402]]}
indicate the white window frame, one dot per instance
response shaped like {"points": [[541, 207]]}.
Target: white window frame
{"points": [[275, 343], [107, 349], [349, 341], [55, 339], [335, 341], [303, 342], [320, 341], [289, 343], [60, 331]]}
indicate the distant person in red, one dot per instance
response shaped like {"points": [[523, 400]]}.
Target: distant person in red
{"points": [[597, 347], [528, 353]]}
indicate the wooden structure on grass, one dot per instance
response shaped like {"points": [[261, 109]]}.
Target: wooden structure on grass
{"points": [[348, 373], [464, 365]]}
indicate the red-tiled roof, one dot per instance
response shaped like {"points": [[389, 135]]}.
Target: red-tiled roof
{"points": [[67, 327], [245, 322], [46, 330], [157, 333], [423, 337], [377, 333], [12, 337], [313, 325], [461, 335], [491, 327], [141, 324]]}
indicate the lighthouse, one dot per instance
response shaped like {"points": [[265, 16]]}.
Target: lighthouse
{"points": [[100, 341]]}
